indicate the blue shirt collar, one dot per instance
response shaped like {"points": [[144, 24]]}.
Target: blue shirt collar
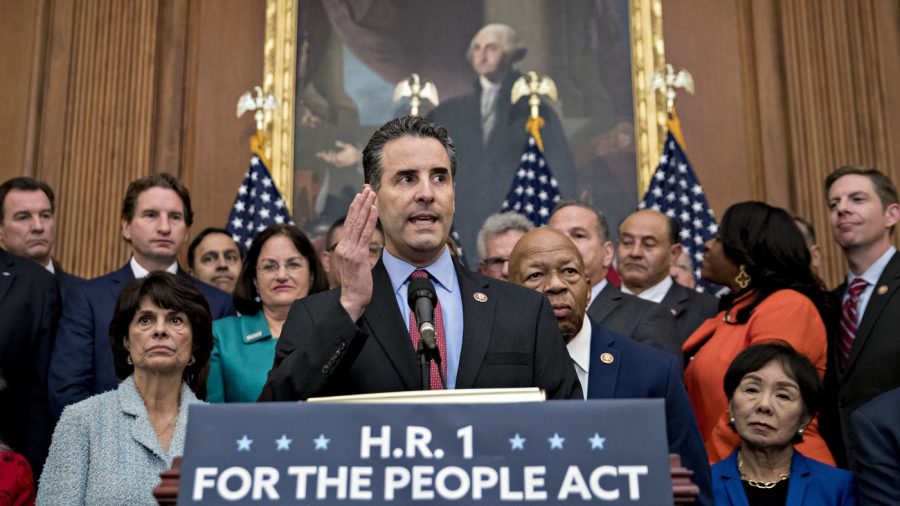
{"points": [[873, 273], [441, 271]]}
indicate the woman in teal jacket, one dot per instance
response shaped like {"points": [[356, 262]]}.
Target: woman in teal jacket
{"points": [[280, 267]]}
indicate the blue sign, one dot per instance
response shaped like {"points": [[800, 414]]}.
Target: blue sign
{"points": [[554, 452]]}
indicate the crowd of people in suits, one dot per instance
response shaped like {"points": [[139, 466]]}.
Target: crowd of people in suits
{"points": [[773, 393]]}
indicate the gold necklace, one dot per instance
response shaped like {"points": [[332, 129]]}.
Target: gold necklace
{"points": [[757, 483]]}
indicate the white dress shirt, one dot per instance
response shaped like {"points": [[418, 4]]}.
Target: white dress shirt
{"points": [[655, 293], [580, 351], [140, 272]]}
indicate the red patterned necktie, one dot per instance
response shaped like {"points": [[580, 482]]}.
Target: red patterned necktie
{"points": [[849, 321], [439, 336]]}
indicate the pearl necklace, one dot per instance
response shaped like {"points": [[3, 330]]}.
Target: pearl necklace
{"points": [[756, 483]]}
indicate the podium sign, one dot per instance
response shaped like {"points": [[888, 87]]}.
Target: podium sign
{"points": [[556, 452]]}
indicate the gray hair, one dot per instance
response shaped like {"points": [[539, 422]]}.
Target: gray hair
{"points": [[412, 126], [499, 224], [513, 45], [602, 222]]}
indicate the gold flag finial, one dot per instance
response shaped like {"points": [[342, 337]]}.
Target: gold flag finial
{"points": [[534, 87], [671, 81], [416, 91]]}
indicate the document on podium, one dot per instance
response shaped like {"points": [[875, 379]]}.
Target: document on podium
{"points": [[466, 396]]}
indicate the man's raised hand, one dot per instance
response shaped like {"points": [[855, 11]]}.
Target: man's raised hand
{"points": [[352, 253]]}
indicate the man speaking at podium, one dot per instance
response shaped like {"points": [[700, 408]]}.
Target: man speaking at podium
{"points": [[357, 338]]}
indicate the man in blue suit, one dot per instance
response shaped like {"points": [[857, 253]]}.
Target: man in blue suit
{"points": [[156, 214], [608, 365]]}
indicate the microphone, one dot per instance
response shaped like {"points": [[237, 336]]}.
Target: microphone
{"points": [[422, 300]]}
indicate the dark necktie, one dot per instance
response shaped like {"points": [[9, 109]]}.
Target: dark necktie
{"points": [[439, 336], [850, 321]]}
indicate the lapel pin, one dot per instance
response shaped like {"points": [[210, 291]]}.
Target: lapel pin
{"points": [[674, 313], [606, 358], [5, 273], [882, 289], [480, 297]]}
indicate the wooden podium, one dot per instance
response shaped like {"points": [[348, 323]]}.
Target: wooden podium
{"points": [[683, 489]]}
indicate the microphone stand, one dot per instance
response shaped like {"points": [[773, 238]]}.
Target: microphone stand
{"points": [[425, 356], [424, 364]]}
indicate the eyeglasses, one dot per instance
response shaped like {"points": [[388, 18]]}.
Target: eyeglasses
{"points": [[495, 263], [271, 267]]}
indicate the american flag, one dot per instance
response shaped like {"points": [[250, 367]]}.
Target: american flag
{"points": [[534, 191], [258, 204], [674, 190]]}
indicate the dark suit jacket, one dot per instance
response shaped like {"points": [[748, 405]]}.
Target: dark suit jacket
{"points": [[811, 482], [82, 356], [29, 311], [65, 280], [639, 371], [690, 308], [873, 367], [876, 444], [641, 320], [486, 170], [509, 340]]}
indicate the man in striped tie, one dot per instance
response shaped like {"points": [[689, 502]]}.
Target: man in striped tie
{"points": [[865, 343], [362, 337]]}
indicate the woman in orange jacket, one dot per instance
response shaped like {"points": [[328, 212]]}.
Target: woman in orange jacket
{"points": [[760, 255]]}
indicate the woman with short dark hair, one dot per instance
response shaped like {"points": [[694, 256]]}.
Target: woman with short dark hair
{"points": [[760, 255], [773, 394], [280, 267], [110, 448]]}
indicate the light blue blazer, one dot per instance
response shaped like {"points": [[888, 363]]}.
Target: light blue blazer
{"points": [[105, 451], [811, 482], [243, 352]]}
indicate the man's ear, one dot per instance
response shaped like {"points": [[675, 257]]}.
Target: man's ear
{"points": [[608, 252], [675, 252], [126, 230], [892, 213]]}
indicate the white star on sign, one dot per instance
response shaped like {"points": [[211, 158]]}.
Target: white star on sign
{"points": [[267, 182], [264, 213], [254, 176], [284, 444], [244, 444], [279, 219], [265, 197], [556, 442], [517, 442], [597, 442], [529, 208], [237, 222], [254, 160], [321, 442], [242, 190], [239, 206]]}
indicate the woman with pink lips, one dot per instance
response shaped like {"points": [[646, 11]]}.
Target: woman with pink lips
{"points": [[773, 394], [761, 256], [110, 448], [280, 267]]}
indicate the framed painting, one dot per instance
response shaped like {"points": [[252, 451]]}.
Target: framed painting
{"points": [[333, 66]]}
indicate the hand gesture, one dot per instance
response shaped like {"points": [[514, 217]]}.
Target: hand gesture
{"points": [[352, 253]]}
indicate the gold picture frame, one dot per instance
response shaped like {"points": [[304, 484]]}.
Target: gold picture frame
{"points": [[280, 58]]}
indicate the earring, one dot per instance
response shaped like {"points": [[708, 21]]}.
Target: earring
{"points": [[800, 432], [192, 361], [731, 422], [742, 279], [128, 359]]}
